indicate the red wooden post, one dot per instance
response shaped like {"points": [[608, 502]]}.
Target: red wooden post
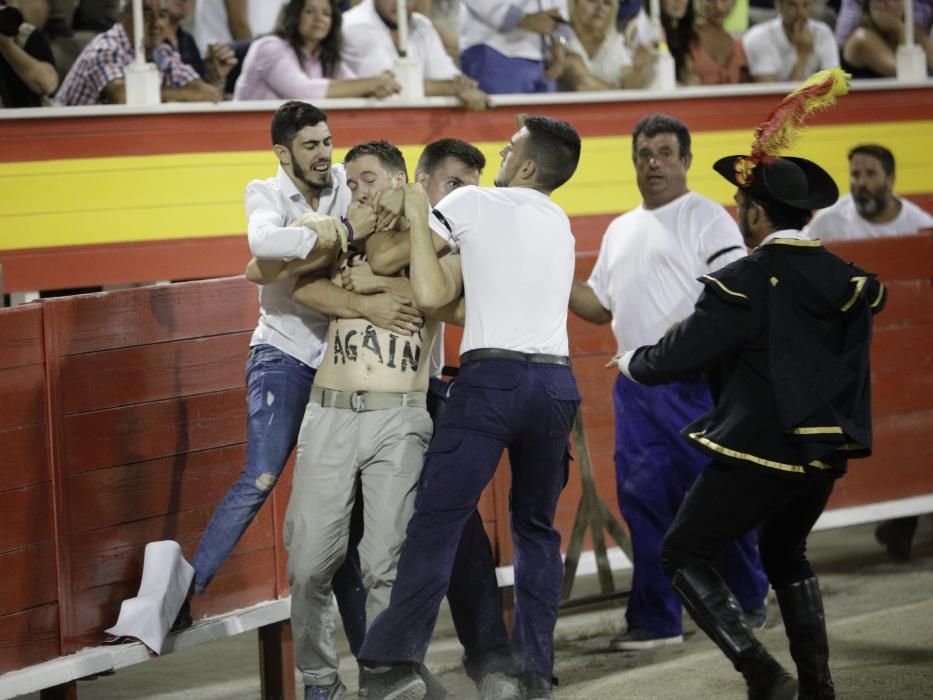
{"points": [[276, 661]]}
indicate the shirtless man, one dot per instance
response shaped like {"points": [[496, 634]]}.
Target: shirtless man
{"points": [[366, 427]]}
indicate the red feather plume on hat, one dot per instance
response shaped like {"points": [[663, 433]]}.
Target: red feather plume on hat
{"points": [[783, 126]]}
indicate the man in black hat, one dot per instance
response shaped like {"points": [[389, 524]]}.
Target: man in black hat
{"points": [[783, 336]]}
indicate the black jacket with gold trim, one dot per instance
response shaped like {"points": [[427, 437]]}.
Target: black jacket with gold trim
{"points": [[783, 337]]}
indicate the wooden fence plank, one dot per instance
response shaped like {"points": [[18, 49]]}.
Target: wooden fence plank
{"points": [[24, 458], [148, 431], [139, 374], [28, 578], [28, 637], [21, 336], [130, 492], [27, 516], [22, 396], [161, 313]]}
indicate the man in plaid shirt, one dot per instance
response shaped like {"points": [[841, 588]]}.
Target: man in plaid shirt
{"points": [[98, 74]]}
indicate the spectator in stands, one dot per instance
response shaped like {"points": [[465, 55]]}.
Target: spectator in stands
{"points": [[226, 21], [27, 67], [370, 47], [715, 57], [656, 253], [98, 74], [302, 59], [510, 47], [791, 46], [871, 209], [869, 31], [597, 55], [678, 19], [220, 57]]}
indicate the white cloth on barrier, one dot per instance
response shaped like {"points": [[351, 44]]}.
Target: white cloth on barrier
{"points": [[166, 578]]}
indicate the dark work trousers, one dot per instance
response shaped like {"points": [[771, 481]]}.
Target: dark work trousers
{"points": [[728, 501], [655, 467], [473, 594], [494, 405]]}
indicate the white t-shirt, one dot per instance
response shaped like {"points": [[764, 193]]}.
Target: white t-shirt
{"points": [[842, 222], [517, 253], [368, 48], [650, 259], [271, 206], [494, 23], [612, 57], [769, 51], [210, 20]]}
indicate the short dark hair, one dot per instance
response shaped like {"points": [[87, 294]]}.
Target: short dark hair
{"points": [[287, 28], [554, 146], [655, 124], [292, 117], [390, 157], [882, 154], [436, 151], [782, 216]]}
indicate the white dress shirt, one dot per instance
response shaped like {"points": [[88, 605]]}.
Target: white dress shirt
{"points": [[272, 205], [769, 51], [210, 20], [494, 23], [368, 48]]}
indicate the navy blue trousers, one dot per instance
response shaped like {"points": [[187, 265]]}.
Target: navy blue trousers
{"points": [[655, 467], [494, 405]]}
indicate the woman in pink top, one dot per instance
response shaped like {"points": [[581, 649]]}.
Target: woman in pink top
{"points": [[715, 57], [302, 60]]}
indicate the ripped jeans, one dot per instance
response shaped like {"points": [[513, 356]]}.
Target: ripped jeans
{"points": [[278, 387]]}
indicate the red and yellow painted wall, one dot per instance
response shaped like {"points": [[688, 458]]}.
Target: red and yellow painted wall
{"points": [[124, 198]]}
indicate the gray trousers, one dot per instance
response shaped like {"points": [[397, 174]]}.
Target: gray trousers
{"points": [[381, 450]]}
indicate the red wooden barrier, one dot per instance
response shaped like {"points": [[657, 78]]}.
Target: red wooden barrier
{"points": [[29, 615], [122, 421]]}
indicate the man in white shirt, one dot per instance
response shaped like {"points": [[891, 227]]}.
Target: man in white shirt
{"points": [[790, 47], [289, 341], [871, 209], [370, 46], [645, 282], [515, 390], [223, 21], [512, 47]]}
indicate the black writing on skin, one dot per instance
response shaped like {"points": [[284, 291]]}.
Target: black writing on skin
{"points": [[353, 348]]}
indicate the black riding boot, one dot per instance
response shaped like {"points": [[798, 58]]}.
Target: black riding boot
{"points": [[717, 612], [802, 610]]}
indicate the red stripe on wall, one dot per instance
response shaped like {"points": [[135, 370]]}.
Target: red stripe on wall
{"points": [[212, 132]]}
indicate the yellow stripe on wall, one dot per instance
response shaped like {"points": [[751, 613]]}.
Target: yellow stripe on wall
{"points": [[122, 199]]}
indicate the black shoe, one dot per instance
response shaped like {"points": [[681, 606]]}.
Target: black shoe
{"points": [[183, 619], [391, 683], [767, 680], [536, 686], [897, 536]]}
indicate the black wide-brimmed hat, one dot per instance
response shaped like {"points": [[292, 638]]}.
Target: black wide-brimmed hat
{"points": [[796, 182]]}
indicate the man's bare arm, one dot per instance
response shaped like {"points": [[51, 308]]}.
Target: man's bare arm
{"points": [[390, 251], [390, 311], [432, 283], [585, 304]]}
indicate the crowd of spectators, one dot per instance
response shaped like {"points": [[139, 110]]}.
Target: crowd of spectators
{"points": [[70, 52]]}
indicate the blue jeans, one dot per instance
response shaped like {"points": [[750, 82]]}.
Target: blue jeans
{"points": [[497, 73], [278, 387], [493, 405]]}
